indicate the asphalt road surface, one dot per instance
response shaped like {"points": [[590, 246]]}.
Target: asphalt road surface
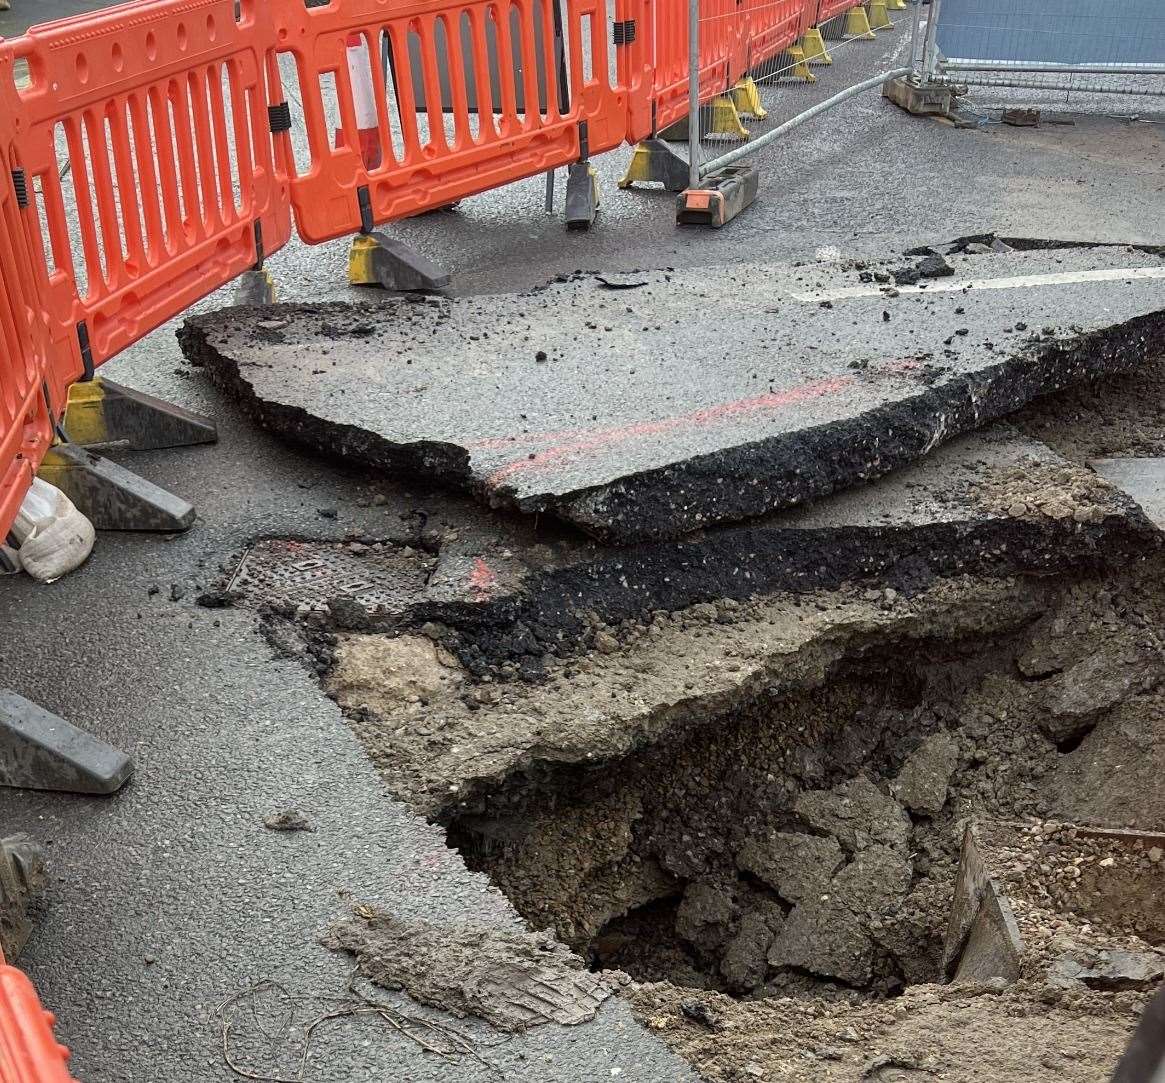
{"points": [[172, 896]]}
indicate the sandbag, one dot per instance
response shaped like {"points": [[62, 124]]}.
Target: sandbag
{"points": [[54, 537]]}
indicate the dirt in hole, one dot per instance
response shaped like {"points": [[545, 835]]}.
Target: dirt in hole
{"points": [[778, 880]]}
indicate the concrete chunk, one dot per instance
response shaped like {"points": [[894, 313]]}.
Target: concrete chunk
{"points": [[922, 783], [857, 813], [796, 866]]}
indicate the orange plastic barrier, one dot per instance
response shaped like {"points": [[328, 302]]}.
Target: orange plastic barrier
{"points": [[724, 41], [25, 348], [472, 99], [28, 1051], [831, 9], [147, 137], [774, 25]]}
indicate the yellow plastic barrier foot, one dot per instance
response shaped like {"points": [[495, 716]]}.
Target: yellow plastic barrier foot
{"points": [[654, 161], [896, 5], [878, 16], [857, 24], [375, 259], [102, 412], [746, 98], [725, 120], [813, 45], [800, 68]]}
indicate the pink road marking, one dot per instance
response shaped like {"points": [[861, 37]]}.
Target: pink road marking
{"points": [[577, 442], [482, 580]]}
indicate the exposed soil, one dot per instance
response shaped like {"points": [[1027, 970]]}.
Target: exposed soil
{"points": [[756, 809], [806, 841], [960, 1033]]}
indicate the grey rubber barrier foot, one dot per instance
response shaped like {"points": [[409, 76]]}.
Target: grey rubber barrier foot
{"points": [[582, 195], [40, 751], [103, 412], [112, 497], [377, 259]]}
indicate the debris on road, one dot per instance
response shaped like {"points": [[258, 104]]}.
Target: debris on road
{"points": [[512, 980]]}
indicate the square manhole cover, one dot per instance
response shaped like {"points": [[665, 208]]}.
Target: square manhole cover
{"points": [[381, 577]]}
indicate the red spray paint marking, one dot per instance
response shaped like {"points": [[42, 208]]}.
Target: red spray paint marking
{"points": [[578, 442], [482, 580]]}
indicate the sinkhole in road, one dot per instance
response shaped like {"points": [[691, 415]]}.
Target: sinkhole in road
{"points": [[803, 838], [796, 843]]}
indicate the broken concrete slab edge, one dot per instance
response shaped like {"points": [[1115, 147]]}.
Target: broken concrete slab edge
{"points": [[657, 504], [652, 505]]}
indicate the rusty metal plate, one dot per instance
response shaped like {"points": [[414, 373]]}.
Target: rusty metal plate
{"points": [[381, 577]]}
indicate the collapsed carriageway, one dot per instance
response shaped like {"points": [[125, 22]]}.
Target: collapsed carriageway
{"points": [[754, 785]]}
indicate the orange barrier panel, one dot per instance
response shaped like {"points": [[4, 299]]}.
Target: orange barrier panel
{"points": [[723, 53], [831, 9], [28, 1051], [775, 25], [25, 347], [148, 139], [471, 101]]}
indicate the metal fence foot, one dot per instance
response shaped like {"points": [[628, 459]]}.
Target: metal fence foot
{"points": [[375, 259], [813, 45], [582, 195], [22, 875], [655, 161], [112, 497], [920, 99], [102, 412], [255, 288], [39, 751], [722, 196], [878, 16], [746, 98], [857, 24]]}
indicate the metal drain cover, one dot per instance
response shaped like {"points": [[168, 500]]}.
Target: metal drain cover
{"points": [[381, 577]]}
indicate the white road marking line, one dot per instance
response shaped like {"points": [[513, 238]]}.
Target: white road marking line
{"points": [[957, 285]]}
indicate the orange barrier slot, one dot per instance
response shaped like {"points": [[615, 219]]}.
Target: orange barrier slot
{"points": [[28, 1051], [25, 348], [468, 96], [775, 25], [147, 139]]}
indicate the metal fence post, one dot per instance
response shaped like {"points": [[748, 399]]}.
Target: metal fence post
{"points": [[693, 93], [930, 46], [915, 27]]}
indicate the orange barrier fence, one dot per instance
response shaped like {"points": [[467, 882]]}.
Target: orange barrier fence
{"points": [[831, 9], [775, 25], [736, 36], [28, 1051], [466, 95], [25, 348], [156, 160], [149, 123]]}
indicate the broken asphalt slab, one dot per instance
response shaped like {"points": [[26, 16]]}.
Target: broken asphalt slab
{"points": [[697, 398], [446, 747], [990, 503]]}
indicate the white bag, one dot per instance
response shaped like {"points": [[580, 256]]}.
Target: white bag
{"points": [[54, 537]]}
